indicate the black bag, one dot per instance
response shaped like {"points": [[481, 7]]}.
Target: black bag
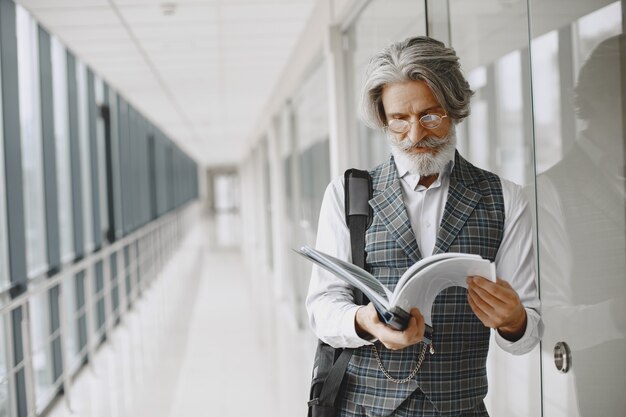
{"points": [[330, 364]]}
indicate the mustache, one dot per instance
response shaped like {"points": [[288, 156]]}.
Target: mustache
{"points": [[429, 142]]}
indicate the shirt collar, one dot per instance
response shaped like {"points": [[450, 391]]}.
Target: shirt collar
{"points": [[413, 179]]}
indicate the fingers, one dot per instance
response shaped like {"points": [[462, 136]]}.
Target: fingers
{"points": [[413, 334], [496, 304]]}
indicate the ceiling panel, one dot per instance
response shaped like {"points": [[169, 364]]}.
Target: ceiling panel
{"points": [[200, 74], [77, 17]]}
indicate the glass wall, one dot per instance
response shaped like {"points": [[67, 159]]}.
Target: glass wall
{"points": [[376, 26], [492, 44], [62, 141], [581, 202], [30, 127]]}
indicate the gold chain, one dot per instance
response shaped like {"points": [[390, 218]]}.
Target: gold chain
{"points": [[420, 359]]}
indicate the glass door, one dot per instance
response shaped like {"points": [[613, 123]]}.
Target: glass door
{"points": [[578, 52]]}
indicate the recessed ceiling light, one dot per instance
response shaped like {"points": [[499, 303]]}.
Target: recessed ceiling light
{"points": [[168, 9]]}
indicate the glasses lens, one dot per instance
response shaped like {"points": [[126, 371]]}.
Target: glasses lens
{"points": [[398, 125], [430, 121]]}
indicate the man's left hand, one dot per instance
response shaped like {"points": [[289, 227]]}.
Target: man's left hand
{"points": [[498, 306]]}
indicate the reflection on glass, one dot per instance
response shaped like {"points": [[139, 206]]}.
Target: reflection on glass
{"points": [[62, 141], [582, 235], [494, 55], [491, 40], [30, 127], [378, 25], [547, 110]]}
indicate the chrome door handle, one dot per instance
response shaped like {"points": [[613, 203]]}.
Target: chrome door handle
{"points": [[562, 357]]}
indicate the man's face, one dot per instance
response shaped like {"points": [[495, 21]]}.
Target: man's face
{"points": [[426, 149]]}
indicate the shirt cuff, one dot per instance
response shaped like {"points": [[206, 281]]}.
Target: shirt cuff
{"points": [[348, 327], [528, 341]]}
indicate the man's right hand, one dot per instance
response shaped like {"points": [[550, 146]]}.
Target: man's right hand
{"points": [[368, 326]]}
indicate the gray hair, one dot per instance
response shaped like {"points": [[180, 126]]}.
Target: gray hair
{"points": [[419, 58]]}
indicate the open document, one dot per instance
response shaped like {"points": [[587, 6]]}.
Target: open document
{"points": [[418, 286]]}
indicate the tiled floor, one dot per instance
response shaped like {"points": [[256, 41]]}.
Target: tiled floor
{"points": [[198, 344]]}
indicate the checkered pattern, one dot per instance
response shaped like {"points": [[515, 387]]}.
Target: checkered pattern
{"points": [[454, 380]]}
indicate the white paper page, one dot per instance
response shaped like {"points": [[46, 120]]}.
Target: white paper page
{"points": [[418, 266], [350, 273], [422, 290]]}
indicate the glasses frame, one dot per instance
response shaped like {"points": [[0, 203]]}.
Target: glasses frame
{"points": [[421, 121]]}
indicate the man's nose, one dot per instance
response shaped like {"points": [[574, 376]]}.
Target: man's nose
{"points": [[416, 132]]}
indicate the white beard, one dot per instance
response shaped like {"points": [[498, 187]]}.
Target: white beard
{"points": [[426, 163]]}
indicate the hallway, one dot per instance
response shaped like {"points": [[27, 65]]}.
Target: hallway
{"points": [[196, 344]]}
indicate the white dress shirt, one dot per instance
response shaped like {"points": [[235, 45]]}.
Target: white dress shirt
{"points": [[330, 303]]}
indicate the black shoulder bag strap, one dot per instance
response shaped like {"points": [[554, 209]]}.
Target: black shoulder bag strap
{"points": [[358, 192]]}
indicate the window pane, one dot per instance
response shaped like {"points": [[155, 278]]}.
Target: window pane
{"points": [[101, 149], [30, 126], [310, 106], [70, 319], [4, 272], [62, 140], [377, 26], [85, 153], [41, 349]]}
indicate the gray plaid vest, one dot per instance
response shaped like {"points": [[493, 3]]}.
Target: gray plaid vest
{"points": [[454, 379]]}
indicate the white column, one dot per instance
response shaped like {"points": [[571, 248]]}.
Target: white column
{"points": [[341, 151]]}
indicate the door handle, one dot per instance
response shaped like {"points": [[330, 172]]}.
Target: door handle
{"points": [[562, 357]]}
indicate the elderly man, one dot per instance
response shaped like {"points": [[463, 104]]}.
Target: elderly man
{"points": [[427, 200]]}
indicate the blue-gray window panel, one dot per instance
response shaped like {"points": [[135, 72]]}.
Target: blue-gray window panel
{"points": [[141, 189], [161, 174], [14, 188], [152, 177], [105, 113], [77, 191], [55, 320], [116, 173], [138, 266], [146, 186], [51, 195], [92, 115], [129, 284], [80, 303], [20, 382], [169, 174], [132, 168], [48, 139], [177, 184], [100, 316], [124, 171], [115, 296], [12, 150]]}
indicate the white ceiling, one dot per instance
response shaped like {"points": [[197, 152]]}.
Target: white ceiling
{"points": [[202, 74]]}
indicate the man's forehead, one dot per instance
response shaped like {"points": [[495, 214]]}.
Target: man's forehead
{"points": [[410, 95]]}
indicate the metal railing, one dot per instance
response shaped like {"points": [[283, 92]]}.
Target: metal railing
{"points": [[139, 257]]}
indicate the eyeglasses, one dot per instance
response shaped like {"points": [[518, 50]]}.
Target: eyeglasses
{"points": [[427, 121]]}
